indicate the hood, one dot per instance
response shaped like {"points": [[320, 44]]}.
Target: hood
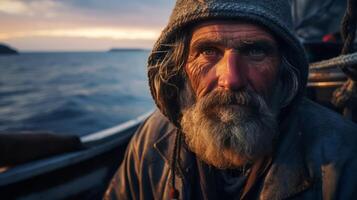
{"points": [[275, 15]]}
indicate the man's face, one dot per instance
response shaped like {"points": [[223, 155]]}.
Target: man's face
{"points": [[232, 56], [232, 69]]}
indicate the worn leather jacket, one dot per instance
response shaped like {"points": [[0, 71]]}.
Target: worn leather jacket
{"points": [[315, 158]]}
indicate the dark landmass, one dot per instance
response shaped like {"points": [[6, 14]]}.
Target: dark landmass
{"points": [[5, 49], [126, 49]]}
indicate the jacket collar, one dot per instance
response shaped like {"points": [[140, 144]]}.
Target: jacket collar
{"points": [[165, 147], [287, 176]]}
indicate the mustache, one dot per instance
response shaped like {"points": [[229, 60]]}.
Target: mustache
{"points": [[244, 97]]}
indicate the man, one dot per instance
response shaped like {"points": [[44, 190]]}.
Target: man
{"points": [[228, 78]]}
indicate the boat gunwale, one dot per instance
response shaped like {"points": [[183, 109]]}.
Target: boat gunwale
{"points": [[98, 142]]}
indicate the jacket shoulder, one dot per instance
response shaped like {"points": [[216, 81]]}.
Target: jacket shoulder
{"points": [[313, 115], [154, 128], [326, 134], [330, 146], [133, 180]]}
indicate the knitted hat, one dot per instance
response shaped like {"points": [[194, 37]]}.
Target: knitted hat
{"points": [[275, 15]]}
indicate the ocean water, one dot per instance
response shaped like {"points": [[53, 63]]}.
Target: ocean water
{"points": [[72, 93]]}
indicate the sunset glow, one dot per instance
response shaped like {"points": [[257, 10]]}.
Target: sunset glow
{"points": [[42, 25]]}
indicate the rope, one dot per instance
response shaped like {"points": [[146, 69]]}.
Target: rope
{"points": [[348, 33], [345, 96], [349, 24], [174, 193], [343, 61]]}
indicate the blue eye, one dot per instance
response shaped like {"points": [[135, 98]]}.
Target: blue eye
{"points": [[257, 54], [209, 52]]}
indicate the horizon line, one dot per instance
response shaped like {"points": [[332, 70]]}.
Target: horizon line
{"points": [[81, 50]]}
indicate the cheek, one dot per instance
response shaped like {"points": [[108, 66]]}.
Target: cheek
{"points": [[199, 74], [263, 78]]}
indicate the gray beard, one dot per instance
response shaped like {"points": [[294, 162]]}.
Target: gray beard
{"points": [[222, 121]]}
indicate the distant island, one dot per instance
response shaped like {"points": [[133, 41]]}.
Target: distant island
{"points": [[5, 49], [126, 49]]}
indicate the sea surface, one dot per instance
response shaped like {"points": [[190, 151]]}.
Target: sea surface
{"points": [[72, 92]]}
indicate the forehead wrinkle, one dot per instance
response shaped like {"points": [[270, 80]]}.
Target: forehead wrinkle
{"points": [[210, 40], [232, 42], [225, 37], [230, 28]]}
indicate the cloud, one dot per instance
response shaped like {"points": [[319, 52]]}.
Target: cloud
{"points": [[13, 7], [117, 20], [43, 14], [120, 5], [29, 8], [95, 10], [109, 33]]}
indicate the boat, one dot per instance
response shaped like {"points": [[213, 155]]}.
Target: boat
{"points": [[82, 174], [86, 173]]}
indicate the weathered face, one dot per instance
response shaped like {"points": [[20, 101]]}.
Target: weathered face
{"points": [[232, 69], [232, 56]]}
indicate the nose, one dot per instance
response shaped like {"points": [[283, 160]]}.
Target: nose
{"points": [[231, 72]]}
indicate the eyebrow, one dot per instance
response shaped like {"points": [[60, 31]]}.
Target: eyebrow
{"points": [[238, 44], [201, 42]]}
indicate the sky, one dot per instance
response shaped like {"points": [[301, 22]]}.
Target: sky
{"points": [[82, 25]]}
